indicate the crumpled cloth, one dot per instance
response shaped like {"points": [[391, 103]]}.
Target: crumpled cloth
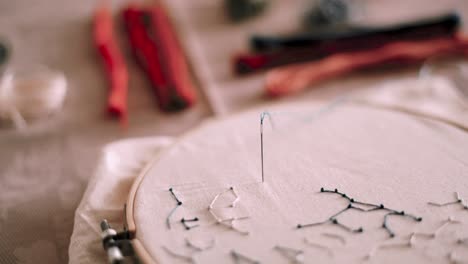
{"points": [[107, 193], [121, 162]]}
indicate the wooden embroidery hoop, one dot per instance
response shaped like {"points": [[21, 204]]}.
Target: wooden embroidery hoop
{"points": [[139, 248]]}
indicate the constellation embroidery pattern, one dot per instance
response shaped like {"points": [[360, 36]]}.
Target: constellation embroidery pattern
{"points": [[239, 258], [198, 248], [458, 200], [335, 236], [319, 246], [228, 222], [185, 221], [449, 220], [294, 255], [233, 203], [297, 255], [195, 248], [411, 240], [351, 206], [408, 244], [178, 255], [179, 203]]}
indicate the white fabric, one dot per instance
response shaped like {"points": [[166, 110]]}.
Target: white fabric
{"points": [[433, 96], [374, 152], [107, 193], [183, 165]]}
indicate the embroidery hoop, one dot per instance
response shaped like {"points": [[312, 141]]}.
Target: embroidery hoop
{"points": [[139, 247]]}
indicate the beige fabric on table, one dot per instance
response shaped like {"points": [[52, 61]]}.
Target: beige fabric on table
{"points": [[413, 95], [105, 196]]}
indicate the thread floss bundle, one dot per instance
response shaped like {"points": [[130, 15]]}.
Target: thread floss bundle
{"points": [[27, 97]]}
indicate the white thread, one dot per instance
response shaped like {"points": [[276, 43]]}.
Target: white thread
{"points": [[458, 200], [32, 96], [450, 220], [335, 236], [198, 248], [319, 246], [294, 255], [179, 256], [228, 222], [408, 244], [233, 203], [168, 219], [239, 257]]}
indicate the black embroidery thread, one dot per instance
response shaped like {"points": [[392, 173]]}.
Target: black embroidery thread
{"points": [[351, 206], [179, 203], [458, 200], [187, 226]]}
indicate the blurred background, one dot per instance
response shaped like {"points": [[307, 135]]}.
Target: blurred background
{"points": [[76, 75]]}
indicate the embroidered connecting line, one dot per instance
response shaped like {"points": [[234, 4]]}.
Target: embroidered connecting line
{"points": [[179, 203], [335, 236], [408, 244], [185, 221], [458, 200], [449, 220], [175, 196], [178, 255], [319, 246], [198, 248], [228, 222], [412, 237], [233, 203], [239, 258], [294, 255], [351, 206]]}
